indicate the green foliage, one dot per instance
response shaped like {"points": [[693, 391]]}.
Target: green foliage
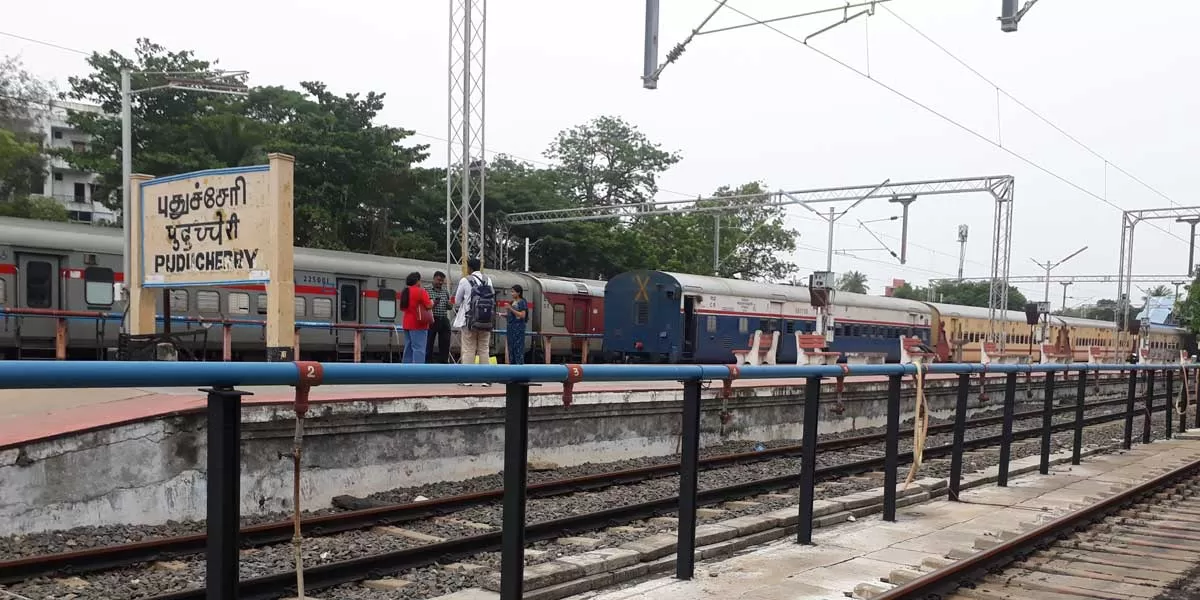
{"points": [[34, 207], [355, 182], [853, 281], [963, 293], [1187, 310], [359, 186], [23, 98]]}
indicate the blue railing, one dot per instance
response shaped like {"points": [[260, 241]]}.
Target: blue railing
{"points": [[224, 421]]}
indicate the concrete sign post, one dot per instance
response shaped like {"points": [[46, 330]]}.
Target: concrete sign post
{"points": [[216, 228]]}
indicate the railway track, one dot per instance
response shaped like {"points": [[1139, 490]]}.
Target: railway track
{"points": [[441, 552], [1139, 544]]}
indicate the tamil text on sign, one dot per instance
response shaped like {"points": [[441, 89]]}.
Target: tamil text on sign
{"points": [[206, 228]]}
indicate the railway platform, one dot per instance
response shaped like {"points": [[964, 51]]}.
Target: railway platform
{"points": [[855, 559]]}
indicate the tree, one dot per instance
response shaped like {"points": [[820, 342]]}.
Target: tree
{"points": [[853, 281], [34, 207], [356, 188], [608, 162], [23, 100], [1160, 291], [963, 293], [752, 238]]}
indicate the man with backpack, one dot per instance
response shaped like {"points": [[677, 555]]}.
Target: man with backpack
{"points": [[475, 300]]}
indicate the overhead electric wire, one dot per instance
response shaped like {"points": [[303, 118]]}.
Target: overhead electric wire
{"points": [[1052, 124], [948, 119]]}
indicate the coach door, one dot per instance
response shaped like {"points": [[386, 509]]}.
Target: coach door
{"points": [[581, 319], [349, 311], [38, 288], [689, 329]]}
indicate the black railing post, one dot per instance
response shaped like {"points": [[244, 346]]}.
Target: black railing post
{"points": [[808, 458], [1080, 400], [1006, 430], [1150, 376], [1170, 403], [960, 428], [891, 450], [224, 491], [516, 454], [689, 466], [1047, 422], [1130, 400]]}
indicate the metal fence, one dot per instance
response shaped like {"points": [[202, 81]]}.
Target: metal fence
{"points": [[221, 380]]}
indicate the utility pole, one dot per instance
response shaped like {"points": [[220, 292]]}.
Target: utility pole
{"points": [[904, 202], [1010, 16], [212, 82], [1191, 264], [962, 249], [716, 243], [1065, 285], [466, 164], [1048, 266]]}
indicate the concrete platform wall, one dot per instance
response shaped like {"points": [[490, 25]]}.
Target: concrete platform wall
{"points": [[152, 472]]}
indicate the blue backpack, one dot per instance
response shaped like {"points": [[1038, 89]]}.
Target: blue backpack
{"points": [[481, 310]]}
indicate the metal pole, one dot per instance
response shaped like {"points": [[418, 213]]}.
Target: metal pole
{"points": [[1080, 401], [891, 448], [904, 233], [829, 248], [1191, 266], [650, 59], [716, 243], [1006, 429], [516, 454], [689, 464], [526, 255], [224, 491], [1065, 285], [962, 257], [808, 458], [1047, 422], [960, 428], [126, 174]]}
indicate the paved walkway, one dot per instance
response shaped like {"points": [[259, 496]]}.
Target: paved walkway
{"points": [[855, 556]]}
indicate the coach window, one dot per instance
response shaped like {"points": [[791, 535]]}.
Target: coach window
{"points": [[387, 304], [299, 306], [208, 302], [38, 284], [98, 286], [3, 292], [712, 324], [743, 325], [238, 303], [322, 308], [179, 301], [262, 304], [560, 315]]}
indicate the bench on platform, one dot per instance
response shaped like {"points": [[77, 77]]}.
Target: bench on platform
{"points": [[989, 353], [810, 350], [912, 351], [756, 354], [1050, 356]]}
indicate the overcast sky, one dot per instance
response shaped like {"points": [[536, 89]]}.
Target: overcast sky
{"points": [[753, 104]]}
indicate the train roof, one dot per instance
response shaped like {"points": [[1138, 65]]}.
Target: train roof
{"points": [[555, 284], [976, 312], [703, 284], [90, 238]]}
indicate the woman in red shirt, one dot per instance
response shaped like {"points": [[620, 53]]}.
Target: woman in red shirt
{"points": [[418, 314]]}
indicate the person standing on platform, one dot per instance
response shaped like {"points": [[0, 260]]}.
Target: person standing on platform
{"points": [[418, 316], [439, 332], [475, 301], [518, 315]]}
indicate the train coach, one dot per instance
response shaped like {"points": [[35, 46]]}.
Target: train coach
{"points": [[656, 316], [53, 273]]}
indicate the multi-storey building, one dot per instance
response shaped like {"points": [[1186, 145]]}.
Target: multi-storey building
{"points": [[70, 186]]}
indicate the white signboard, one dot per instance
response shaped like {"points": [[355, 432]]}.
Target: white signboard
{"points": [[206, 228]]}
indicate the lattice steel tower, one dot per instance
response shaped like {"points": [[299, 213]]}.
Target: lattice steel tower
{"points": [[465, 165]]}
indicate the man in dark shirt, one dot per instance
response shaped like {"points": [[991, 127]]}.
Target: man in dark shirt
{"points": [[439, 330]]}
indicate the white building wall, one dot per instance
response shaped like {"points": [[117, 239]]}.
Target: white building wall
{"points": [[70, 186]]}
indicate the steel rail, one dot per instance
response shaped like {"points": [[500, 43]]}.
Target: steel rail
{"points": [[109, 557], [942, 582], [328, 575]]}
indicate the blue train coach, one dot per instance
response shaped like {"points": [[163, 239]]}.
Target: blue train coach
{"points": [[655, 316]]}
